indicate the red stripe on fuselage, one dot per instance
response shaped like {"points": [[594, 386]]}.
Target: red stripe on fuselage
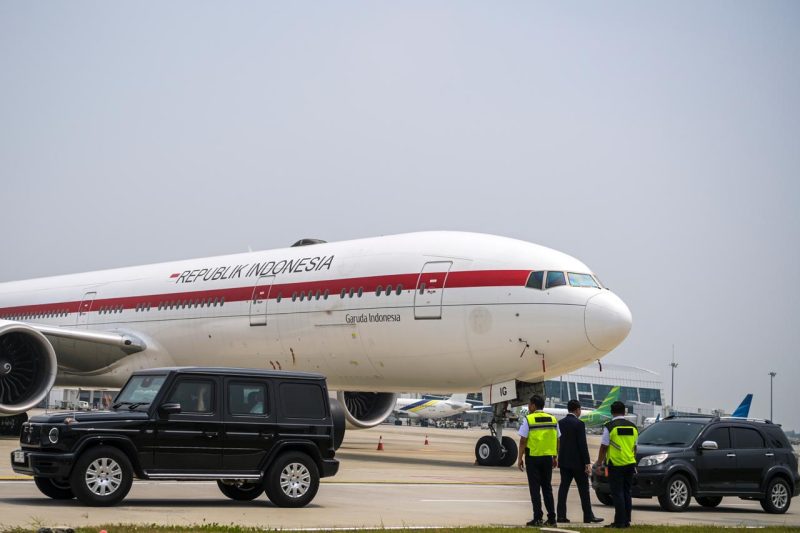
{"points": [[463, 279]]}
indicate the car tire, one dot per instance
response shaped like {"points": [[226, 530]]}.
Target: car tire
{"points": [[604, 498], [292, 480], [778, 497], [102, 476], [708, 501], [487, 451], [510, 456], [678, 494], [58, 489], [242, 491]]}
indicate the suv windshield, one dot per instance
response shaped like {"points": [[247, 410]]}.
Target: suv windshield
{"points": [[140, 390], [671, 433]]}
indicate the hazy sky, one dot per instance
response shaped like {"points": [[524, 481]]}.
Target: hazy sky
{"points": [[657, 142]]}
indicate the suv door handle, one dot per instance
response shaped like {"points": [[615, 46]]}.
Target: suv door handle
{"points": [[770, 454], [731, 455], [210, 434]]}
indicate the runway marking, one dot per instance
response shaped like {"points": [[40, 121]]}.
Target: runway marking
{"points": [[477, 501]]}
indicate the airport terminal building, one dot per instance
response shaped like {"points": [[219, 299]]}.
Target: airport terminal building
{"points": [[640, 389]]}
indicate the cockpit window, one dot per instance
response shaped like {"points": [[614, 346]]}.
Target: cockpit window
{"points": [[554, 279], [582, 280], [535, 280]]}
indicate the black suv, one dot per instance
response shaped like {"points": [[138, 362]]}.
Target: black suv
{"points": [[250, 431], [708, 458]]}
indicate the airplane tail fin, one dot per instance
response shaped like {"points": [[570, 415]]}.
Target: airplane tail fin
{"points": [[460, 398], [605, 407], [743, 411]]}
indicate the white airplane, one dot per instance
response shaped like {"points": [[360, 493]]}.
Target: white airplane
{"points": [[416, 408], [446, 311]]}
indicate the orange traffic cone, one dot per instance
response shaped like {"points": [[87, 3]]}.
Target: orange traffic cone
{"points": [[380, 443], [426, 440]]}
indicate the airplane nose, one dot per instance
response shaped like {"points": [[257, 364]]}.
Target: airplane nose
{"points": [[607, 320]]}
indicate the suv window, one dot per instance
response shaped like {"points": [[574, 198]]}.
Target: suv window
{"points": [[720, 435], [195, 396], [777, 438], [747, 438], [247, 398], [302, 400]]}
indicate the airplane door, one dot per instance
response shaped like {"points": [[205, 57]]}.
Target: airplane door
{"points": [[85, 308], [430, 289], [258, 303]]}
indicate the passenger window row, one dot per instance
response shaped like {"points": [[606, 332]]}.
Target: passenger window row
{"points": [[56, 313], [183, 304]]}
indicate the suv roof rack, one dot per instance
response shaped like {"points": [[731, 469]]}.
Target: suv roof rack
{"points": [[743, 419], [688, 415]]}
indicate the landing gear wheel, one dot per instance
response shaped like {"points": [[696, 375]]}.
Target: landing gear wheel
{"points": [[708, 501], [779, 497], [102, 476], [510, 457], [242, 491], [58, 489], [604, 498], [292, 480], [487, 451], [677, 496]]}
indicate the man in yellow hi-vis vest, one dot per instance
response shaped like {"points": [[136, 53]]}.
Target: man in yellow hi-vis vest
{"points": [[618, 451], [538, 443]]}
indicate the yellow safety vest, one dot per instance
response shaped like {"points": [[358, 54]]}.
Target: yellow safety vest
{"points": [[542, 434], [622, 436]]}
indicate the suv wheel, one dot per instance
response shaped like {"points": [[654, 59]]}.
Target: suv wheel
{"points": [[604, 498], [678, 494], [242, 491], [292, 480], [58, 489], [487, 451], [708, 501], [102, 476], [779, 496]]}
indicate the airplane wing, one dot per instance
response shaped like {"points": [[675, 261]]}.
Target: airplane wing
{"points": [[83, 350]]}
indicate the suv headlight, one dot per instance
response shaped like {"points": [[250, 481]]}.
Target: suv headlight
{"points": [[653, 460], [52, 436]]}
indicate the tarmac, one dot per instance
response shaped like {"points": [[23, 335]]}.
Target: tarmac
{"points": [[408, 484]]}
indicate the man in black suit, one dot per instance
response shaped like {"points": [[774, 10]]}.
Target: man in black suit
{"points": [[574, 463]]}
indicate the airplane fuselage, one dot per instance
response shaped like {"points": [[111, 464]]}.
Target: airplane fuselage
{"points": [[434, 311]]}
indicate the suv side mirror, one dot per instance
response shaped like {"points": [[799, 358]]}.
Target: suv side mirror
{"points": [[709, 445], [170, 408]]}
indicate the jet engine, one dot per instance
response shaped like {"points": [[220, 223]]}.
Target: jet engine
{"points": [[364, 410], [27, 367]]}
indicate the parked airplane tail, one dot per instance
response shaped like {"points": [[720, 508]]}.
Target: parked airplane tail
{"points": [[743, 411], [460, 398], [605, 407], [602, 414]]}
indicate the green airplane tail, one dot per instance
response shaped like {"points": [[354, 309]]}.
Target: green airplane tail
{"points": [[603, 411], [605, 407]]}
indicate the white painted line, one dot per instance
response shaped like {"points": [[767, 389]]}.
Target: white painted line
{"points": [[478, 501]]}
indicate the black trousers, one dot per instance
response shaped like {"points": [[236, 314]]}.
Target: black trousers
{"points": [[620, 479], [582, 482], [540, 477]]}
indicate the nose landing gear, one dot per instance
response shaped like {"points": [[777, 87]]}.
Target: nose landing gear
{"points": [[495, 449]]}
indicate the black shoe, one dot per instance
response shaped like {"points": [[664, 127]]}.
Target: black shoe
{"points": [[536, 522], [617, 526], [551, 522], [593, 520], [563, 520]]}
